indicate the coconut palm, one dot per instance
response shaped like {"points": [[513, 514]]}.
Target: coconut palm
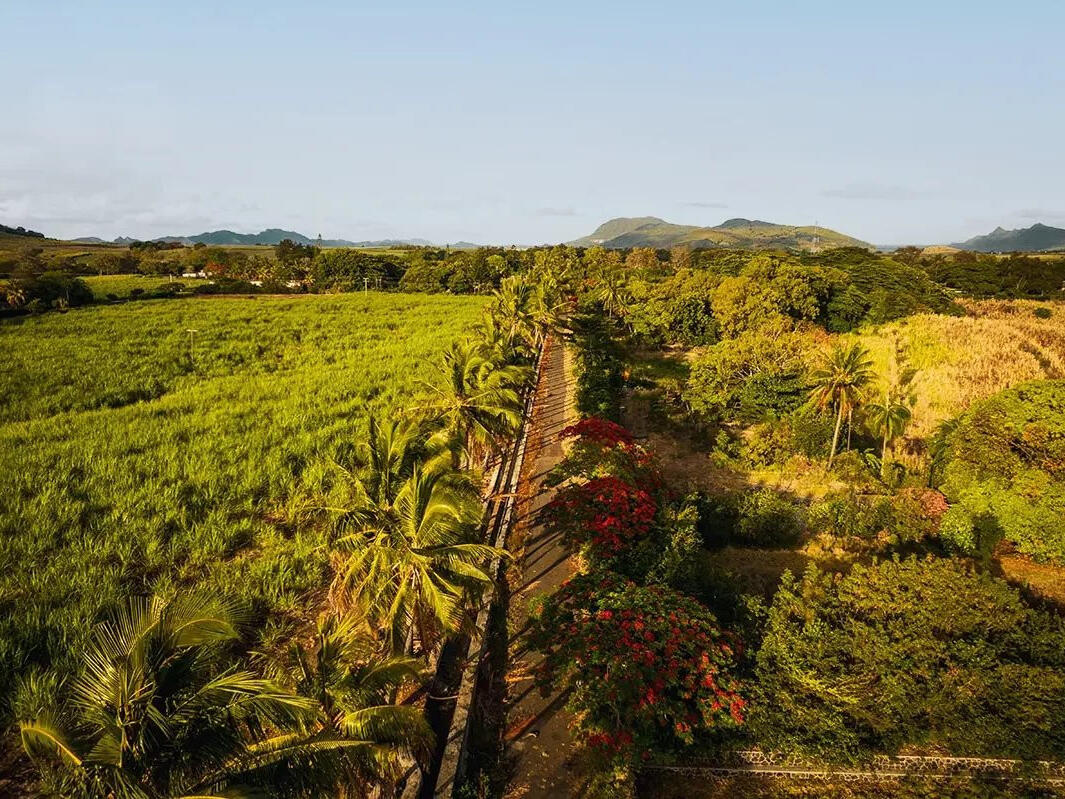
{"points": [[355, 690], [840, 382], [613, 295], [513, 307], [548, 310], [892, 412], [412, 563], [478, 405], [388, 454], [157, 712]]}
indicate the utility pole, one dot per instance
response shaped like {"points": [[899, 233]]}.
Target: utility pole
{"points": [[365, 284]]}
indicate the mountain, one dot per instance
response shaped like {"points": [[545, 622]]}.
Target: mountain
{"points": [[269, 237], [1037, 238], [650, 231], [20, 231]]}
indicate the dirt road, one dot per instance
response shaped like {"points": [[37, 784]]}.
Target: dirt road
{"points": [[538, 734]]}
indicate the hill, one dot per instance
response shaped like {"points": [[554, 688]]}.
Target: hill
{"points": [[20, 231], [1037, 238], [268, 237], [650, 231]]}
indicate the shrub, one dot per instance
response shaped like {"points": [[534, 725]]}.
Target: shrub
{"points": [[767, 518], [761, 518], [1006, 471], [910, 516], [918, 652], [1042, 313], [648, 669]]}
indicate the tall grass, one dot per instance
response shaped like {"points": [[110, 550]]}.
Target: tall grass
{"points": [[959, 360], [135, 454], [122, 286]]}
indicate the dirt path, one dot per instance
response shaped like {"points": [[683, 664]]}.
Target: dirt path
{"points": [[538, 735]]}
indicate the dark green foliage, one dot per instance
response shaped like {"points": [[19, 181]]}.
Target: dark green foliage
{"points": [[761, 518], [600, 371], [1016, 276], [20, 231], [924, 652], [354, 270], [874, 288], [51, 290], [1006, 472], [1042, 313]]}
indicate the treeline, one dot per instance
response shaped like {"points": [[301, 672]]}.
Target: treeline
{"points": [[668, 296], [983, 275]]}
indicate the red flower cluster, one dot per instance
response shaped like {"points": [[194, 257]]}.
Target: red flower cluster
{"points": [[599, 431], [605, 512], [648, 667]]}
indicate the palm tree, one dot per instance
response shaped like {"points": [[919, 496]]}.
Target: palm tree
{"points": [[613, 295], [479, 404], [548, 311], [889, 417], [840, 382], [156, 712], [355, 690], [412, 562], [388, 454], [891, 414], [513, 308]]}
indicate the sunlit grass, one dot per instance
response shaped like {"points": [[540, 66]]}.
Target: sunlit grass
{"points": [[135, 453], [962, 359], [121, 286]]}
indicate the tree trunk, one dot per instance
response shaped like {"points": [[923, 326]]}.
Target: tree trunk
{"points": [[835, 436], [883, 455]]}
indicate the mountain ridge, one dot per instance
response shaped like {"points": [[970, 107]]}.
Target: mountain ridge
{"points": [[1037, 238], [650, 231]]}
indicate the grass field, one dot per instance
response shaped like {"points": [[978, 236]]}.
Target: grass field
{"points": [[134, 453], [122, 286], [962, 359]]}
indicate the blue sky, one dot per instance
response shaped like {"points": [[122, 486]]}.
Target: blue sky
{"points": [[530, 122]]}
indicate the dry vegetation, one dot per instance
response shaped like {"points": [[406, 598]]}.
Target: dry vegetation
{"points": [[998, 344]]}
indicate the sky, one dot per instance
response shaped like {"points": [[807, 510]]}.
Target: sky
{"points": [[523, 123]]}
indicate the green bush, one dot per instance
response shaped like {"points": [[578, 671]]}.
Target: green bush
{"points": [[762, 518], [600, 378], [1042, 313], [1006, 472], [926, 653]]}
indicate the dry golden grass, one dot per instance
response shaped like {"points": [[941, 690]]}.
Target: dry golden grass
{"points": [[959, 360]]}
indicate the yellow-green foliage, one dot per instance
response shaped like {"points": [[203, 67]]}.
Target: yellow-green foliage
{"points": [[122, 285], [959, 360], [1006, 475], [135, 454]]}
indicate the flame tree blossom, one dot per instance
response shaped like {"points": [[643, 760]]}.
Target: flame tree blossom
{"points": [[602, 448], [649, 669], [607, 514]]}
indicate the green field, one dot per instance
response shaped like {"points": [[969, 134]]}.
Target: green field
{"points": [[122, 286], [135, 453]]}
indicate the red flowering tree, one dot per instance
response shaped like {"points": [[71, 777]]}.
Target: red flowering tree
{"points": [[602, 448], [606, 513], [648, 668]]}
